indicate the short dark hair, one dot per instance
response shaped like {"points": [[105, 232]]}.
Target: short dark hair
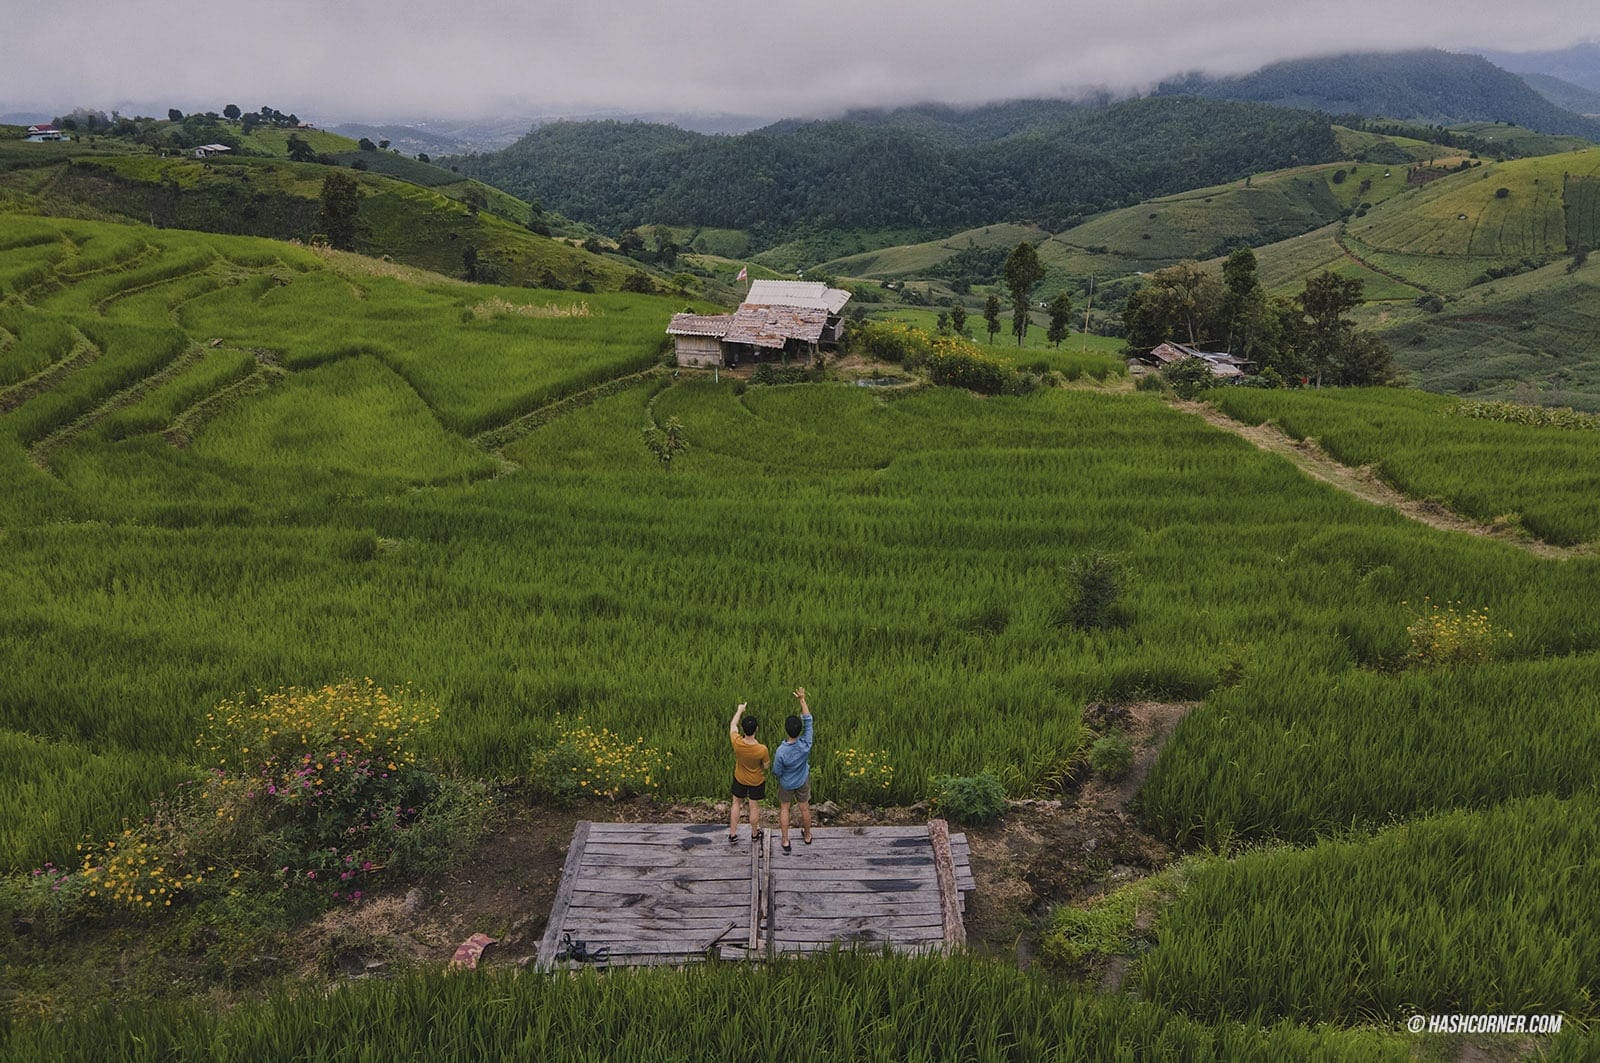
{"points": [[749, 725], [793, 726]]}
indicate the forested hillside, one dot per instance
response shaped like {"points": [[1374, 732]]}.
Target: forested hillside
{"points": [[1426, 84], [928, 168]]}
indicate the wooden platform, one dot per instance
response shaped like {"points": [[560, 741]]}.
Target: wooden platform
{"points": [[674, 893]]}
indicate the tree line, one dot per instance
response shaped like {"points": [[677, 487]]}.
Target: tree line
{"points": [[1051, 163], [1307, 338]]}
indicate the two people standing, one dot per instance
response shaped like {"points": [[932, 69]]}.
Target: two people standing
{"points": [[791, 765]]}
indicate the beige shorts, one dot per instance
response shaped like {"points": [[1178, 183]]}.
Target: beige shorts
{"points": [[801, 796]]}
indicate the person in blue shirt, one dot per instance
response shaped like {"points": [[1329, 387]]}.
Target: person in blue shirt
{"points": [[791, 765]]}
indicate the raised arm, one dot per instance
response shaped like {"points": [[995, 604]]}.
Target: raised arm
{"points": [[805, 718], [733, 724]]}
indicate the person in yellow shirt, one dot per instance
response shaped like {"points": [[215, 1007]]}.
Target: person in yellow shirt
{"points": [[750, 762]]}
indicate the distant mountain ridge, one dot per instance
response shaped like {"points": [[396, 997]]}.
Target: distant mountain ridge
{"points": [[1425, 85], [1574, 98], [1578, 65], [930, 169]]}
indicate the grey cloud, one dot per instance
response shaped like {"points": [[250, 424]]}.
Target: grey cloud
{"points": [[366, 59]]}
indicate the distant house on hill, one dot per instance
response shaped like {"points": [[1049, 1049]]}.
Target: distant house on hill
{"points": [[205, 151], [1223, 366], [777, 320], [42, 134]]}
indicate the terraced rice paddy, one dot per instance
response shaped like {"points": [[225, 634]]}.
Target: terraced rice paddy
{"points": [[328, 514]]}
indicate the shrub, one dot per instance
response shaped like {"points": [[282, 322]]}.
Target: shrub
{"points": [[1150, 382], [767, 373], [586, 761], [864, 774], [1095, 590], [1450, 635], [321, 788], [1111, 756], [948, 360], [1188, 376], [969, 798]]}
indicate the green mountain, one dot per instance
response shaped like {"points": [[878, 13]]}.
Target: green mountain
{"points": [[1425, 85], [1565, 93], [415, 214], [929, 169]]}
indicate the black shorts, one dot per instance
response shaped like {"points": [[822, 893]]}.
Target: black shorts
{"points": [[754, 793]]}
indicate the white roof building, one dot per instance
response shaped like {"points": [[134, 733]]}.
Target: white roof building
{"points": [[810, 295]]}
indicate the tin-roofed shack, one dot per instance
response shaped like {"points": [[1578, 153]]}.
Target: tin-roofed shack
{"points": [[778, 320], [1223, 366]]}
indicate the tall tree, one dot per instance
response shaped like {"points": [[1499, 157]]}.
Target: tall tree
{"points": [[1326, 300], [300, 150], [991, 316], [340, 216], [958, 319], [1022, 273], [1241, 296], [231, 112], [1336, 351], [1060, 315], [1177, 303], [174, 115]]}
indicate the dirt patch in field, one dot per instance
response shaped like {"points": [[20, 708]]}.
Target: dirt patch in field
{"points": [[1042, 852], [1364, 483]]}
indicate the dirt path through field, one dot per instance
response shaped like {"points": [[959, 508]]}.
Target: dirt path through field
{"points": [[1364, 484]]}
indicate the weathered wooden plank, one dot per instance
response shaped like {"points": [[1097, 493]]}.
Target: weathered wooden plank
{"points": [[955, 930], [717, 914], [755, 897], [648, 927], [666, 886], [664, 857], [869, 948], [598, 828], [787, 908], [634, 939], [800, 878], [647, 902], [869, 938], [613, 866], [768, 892], [558, 910], [888, 926], [859, 885], [650, 849], [784, 863]]}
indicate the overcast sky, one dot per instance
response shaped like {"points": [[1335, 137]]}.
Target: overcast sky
{"points": [[343, 60]]}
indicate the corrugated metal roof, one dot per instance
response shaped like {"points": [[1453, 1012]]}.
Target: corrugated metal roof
{"points": [[700, 325], [810, 294], [773, 326]]}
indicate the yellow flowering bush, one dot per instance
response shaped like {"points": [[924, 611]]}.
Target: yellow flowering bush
{"points": [[1449, 634], [320, 789], [863, 774], [586, 761]]}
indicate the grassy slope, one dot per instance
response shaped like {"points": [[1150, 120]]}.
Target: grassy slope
{"points": [[909, 260], [420, 226], [1534, 336], [1464, 216]]}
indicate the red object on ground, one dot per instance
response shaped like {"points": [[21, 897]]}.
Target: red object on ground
{"points": [[471, 949]]}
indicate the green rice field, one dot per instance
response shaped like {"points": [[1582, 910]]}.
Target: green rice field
{"points": [[232, 464]]}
